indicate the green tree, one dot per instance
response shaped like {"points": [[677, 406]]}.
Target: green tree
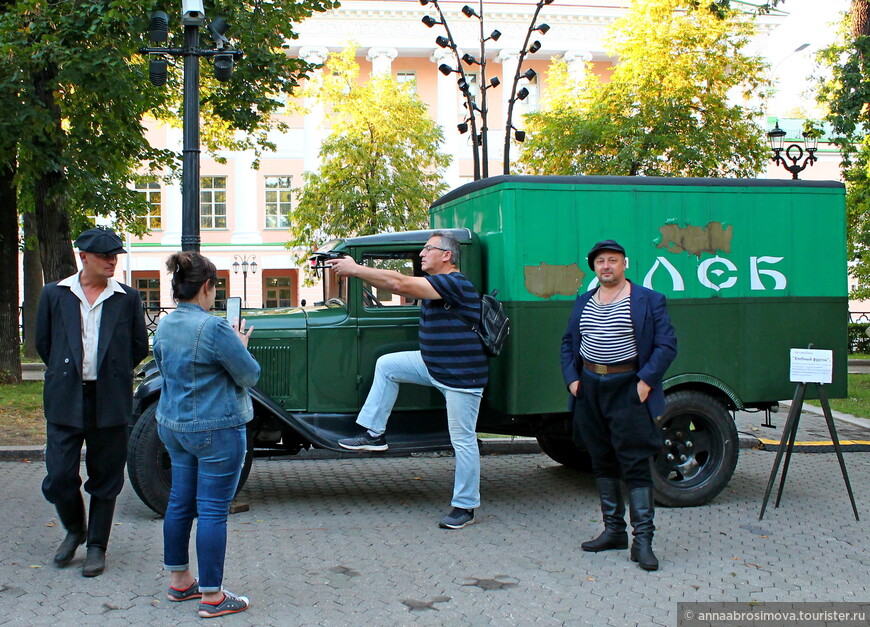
{"points": [[666, 109], [73, 93], [847, 96], [381, 166]]}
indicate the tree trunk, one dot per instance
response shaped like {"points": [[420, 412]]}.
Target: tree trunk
{"points": [[859, 14], [10, 357], [32, 285], [52, 221]]}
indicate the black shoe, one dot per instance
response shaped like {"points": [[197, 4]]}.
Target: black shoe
{"points": [[67, 549], [364, 442], [95, 562], [457, 519], [608, 540]]}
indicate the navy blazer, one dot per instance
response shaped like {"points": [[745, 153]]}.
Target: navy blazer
{"points": [[123, 343], [653, 333]]}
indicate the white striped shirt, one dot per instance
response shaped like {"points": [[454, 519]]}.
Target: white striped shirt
{"points": [[606, 332]]}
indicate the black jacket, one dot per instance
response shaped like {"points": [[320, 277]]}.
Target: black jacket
{"points": [[123, 343]]}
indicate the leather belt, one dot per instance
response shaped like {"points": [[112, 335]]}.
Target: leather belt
{"points": [[623, 366]]}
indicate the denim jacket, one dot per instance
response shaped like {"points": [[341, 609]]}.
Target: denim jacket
{"points": [[206, 372]]}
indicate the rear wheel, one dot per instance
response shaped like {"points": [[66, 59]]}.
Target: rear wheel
{"points": [[149, 467], [700, 450]]}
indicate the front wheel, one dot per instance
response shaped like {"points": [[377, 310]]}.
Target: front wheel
{"points": [[700, 450], [149, 467]]}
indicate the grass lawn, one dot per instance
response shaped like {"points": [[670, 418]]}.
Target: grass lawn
{"points": [[858, 403], [21, 418]]}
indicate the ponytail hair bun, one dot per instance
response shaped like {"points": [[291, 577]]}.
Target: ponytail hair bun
{"points": [[189, 271]]}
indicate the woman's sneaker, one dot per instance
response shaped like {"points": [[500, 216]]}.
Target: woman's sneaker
{"points": [[173, 594], [231, 604]]}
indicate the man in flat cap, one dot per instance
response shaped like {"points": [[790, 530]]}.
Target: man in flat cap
{"points": [[90, 332], [615, 351]]}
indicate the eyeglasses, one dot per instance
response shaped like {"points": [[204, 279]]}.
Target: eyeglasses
{"points": [[429, 247]]}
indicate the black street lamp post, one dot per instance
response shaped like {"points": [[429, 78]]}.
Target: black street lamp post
{"points": [[193, 17], [477, 113], [793, 152], [246, 263]]}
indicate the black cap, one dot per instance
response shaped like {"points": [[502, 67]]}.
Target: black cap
{"points": [[101, 241], [608, 244]]}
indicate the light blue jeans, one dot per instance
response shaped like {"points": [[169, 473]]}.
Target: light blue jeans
{"points": [[462, 407], [206, 466]]}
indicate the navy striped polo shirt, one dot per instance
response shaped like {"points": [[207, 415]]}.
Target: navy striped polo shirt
{"points": [[452, 352]]}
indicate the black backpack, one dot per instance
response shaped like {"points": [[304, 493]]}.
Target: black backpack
{"points": [[493, 326]]}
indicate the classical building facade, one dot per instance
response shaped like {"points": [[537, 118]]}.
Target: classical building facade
{"points": [[244, 211]]}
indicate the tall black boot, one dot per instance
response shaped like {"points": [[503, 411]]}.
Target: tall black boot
{"points": [[613, 510], [72, 516], [99, 528], [642, 510]]}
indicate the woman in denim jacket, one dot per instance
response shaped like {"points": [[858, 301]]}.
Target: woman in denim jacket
{"points": [[204, 406]]}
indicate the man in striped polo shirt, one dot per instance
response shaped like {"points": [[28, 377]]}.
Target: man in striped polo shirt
{"points": [[451, 359], [615, 351]]}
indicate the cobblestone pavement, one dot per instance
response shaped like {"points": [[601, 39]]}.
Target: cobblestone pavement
{"points": [[355, 541]]}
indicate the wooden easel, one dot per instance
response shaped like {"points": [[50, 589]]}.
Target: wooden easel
{"points": [[789, 433]]}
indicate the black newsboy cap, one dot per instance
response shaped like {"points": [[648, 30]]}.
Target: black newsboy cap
{"points": [[101, 241], [608, 244]]}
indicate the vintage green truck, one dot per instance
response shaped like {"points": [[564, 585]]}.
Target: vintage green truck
{"points": [[751, 268]]}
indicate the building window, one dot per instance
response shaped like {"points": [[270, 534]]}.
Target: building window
{"points": [[151, 189], [408, 79], [279, 291], [278, 200], [213, 202], [531, 103], [149, 290], [220, 297]]}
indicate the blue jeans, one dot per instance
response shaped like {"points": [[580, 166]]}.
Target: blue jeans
{"points": [[462, 407], [206, 466]]}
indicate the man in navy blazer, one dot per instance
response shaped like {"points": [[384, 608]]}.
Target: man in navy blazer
{"points": [[91, 335], [617, 346]]}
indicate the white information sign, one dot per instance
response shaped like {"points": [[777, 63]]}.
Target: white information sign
{"points": [[811, 366]]}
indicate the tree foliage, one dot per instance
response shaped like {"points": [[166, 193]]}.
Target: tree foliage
{"points": [[381, 166], [74, 91], [80, 91], [666, 109], [847, 96]]}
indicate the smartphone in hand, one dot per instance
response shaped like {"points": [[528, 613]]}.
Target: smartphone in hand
{"points": [[234, 311]]}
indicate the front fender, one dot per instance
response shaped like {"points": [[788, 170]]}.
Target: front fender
{"points": [[148, 392]]}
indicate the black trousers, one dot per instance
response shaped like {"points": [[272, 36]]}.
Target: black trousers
{"points": [[616, 427], [105, 456]]}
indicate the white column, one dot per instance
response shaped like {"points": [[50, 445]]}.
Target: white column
{"points": [[171, 217], [381, 59], [508, 60], [448, 114], [313, 123], [577, 60], [245, 196]]}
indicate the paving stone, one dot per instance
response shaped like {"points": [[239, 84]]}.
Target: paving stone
{"points": [[349, 541]]}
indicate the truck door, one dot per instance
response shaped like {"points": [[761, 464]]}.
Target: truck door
{"points": [[388, 323]]}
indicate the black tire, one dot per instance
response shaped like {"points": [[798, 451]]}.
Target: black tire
{"points": [[149, 467], [564, 451], [700, 451]]}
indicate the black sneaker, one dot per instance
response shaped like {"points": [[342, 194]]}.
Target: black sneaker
{"points": [[457, 519], [364, 442], [231, 604]]}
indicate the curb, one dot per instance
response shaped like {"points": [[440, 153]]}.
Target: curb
{"points": [[488, 446]]}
